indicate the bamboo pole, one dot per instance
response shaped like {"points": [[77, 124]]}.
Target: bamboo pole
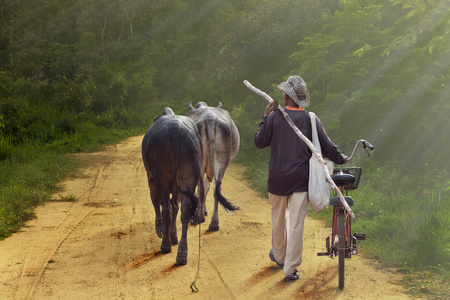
{"points": [[310, 145]]}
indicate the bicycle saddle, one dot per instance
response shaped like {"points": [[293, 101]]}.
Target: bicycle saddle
{"points": [[335, 201], [343, 179]]}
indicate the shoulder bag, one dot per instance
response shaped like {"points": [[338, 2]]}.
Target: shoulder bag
{"points": [[319, 188]]}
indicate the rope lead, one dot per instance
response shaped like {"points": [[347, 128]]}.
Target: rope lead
{"points": [[193, 286]]}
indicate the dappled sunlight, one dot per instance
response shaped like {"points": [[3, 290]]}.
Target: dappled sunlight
{"points": [[77, 76]]}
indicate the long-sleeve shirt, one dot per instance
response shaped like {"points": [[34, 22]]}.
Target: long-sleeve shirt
{"points": [[289, 155]]}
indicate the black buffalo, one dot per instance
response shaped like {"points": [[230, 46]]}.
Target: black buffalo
{"points": [[172, 155], [220, 139]]}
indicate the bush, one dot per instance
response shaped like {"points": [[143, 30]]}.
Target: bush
{"points": [[406, 223]]}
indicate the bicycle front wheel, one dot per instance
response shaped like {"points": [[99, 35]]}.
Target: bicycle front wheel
{"points": [[341, 246]]}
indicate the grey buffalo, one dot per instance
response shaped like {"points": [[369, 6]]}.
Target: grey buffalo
{"points": [[172, 155], [220, 139]]}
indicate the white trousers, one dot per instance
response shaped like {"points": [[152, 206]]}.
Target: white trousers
{"points": [[288, 219]]}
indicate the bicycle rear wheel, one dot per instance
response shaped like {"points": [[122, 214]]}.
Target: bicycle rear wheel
{"points": [[341, 246]]}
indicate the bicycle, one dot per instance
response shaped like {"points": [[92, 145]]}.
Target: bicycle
{"points": [[344, 244]]}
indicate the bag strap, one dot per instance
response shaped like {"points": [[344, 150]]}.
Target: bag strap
{"points": [[315, 137]]}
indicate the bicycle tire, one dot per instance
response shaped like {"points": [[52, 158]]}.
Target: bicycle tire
{"points": [[341, 247]]}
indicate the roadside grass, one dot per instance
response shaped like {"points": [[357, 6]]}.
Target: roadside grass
{"points": [[430, 282], [405, 215], [67, 198], [27, 179]]}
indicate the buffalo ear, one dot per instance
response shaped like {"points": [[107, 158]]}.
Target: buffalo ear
{"points": [[190, 106], [220, 105]]}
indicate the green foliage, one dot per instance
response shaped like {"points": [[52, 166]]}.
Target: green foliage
{"points": [[15, 203], [27, 179], [256, 169], [385, 78], [405, 219]]}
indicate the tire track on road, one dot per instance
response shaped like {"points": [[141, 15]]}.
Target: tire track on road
{"points": [[43, 252]]}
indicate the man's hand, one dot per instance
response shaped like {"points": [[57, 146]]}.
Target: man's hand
{"points": [[273, 105], [346, 158]]}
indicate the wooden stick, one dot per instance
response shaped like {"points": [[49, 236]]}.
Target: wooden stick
{"points": [[310, 145]]}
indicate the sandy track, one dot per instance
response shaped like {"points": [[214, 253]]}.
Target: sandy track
{"points": [[104, 246]]}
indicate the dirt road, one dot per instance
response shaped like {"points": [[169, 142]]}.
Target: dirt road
{"points": [[104, 246]]}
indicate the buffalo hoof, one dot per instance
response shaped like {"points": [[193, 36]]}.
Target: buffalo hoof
{"points": [[166, 249], [181, 259], [213, 227], [159, 230], [174, 240]]}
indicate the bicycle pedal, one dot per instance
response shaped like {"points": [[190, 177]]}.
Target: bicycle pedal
{"points": [[360, 236], [322, 254]]}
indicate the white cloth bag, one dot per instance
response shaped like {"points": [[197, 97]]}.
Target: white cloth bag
{"points": [[319, 188]]}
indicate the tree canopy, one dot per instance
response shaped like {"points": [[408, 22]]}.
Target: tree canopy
{"points": [[380, 65]]}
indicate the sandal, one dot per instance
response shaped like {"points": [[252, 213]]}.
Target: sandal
{"points": [[272, 258], [292, 277]]}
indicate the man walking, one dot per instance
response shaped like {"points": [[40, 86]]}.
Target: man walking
{"points": [[289, 172]]}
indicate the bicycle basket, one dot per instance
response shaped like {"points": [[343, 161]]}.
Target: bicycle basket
{"points": [[356, 172]]}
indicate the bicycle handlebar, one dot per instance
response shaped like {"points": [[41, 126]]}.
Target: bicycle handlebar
{"points": [[365, 144]]}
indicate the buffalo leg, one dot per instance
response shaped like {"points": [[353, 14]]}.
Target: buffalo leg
{"points": [[159, 226], [166, 245], [203, 187], [214, 224], [183, 246]]}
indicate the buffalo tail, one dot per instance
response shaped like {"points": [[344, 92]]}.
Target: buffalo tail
{"points": [[210, 128], [175, 136]]}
